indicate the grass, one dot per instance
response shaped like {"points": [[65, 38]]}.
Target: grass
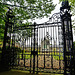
{"points": [[26, 55], [57, 56], [19, 72]]}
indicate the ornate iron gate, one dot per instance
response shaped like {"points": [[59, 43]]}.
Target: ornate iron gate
{"points": [[46, 47], [43, 47]]}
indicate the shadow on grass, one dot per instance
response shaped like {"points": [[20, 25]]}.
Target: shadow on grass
{"points": [[18, 72]]}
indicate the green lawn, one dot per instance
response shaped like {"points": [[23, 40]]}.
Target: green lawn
{"points": [[27, 55], [55, 55]]}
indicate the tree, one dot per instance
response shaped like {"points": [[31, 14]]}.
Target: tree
{"points": [[3, 10], [26, 9], [29, 9]]}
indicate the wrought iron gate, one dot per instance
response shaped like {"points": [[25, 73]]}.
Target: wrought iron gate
{"points": [[43, 47], [46, 47]]}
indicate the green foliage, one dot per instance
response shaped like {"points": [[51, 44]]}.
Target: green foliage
{"points": [[2, 18], [32, 8], [28, 9]]}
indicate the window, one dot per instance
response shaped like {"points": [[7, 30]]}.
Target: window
{"points": [[45, 46]]}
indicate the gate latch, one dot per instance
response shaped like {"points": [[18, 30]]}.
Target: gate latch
{"points": [[34, 52]]}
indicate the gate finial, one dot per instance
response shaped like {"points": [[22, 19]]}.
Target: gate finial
{"points": [[65, 5]]}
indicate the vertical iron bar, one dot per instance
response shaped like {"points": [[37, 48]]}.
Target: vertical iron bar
{"points": [[73, 54], [5, 36], [25, 52], [3, 59], [59, 38], [44, 47], [31, 51], [51, 50], [49, 40], [34, 51], [13, 50], [37, 50], [64, 47], [29, 44]]}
